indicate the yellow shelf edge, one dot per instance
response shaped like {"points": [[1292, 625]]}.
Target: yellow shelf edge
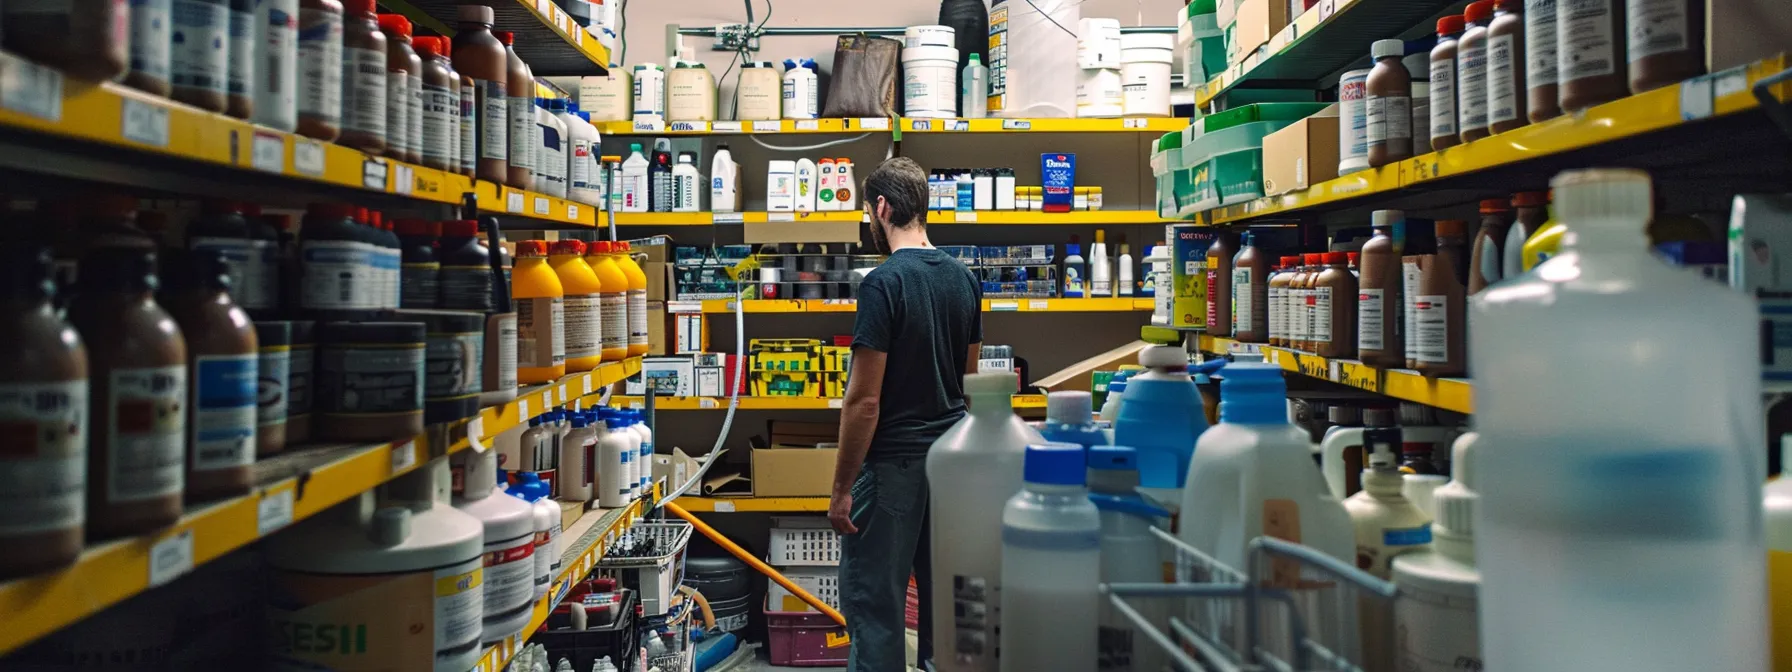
{"points": [[729, 218], [753, 504], [1112, 125], [1451, 394], [729, 127], [557, 20], [1042, 305], [1030, 217], [1301, 26], [770, 403]]}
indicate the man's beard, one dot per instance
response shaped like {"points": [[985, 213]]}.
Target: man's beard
{"points": [[878, 243]]}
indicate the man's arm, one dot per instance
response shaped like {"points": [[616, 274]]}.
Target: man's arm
{"points": [[858, 421], [976, 355]]}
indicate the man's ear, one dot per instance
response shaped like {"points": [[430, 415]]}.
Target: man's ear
{"points": [[882, 209]]}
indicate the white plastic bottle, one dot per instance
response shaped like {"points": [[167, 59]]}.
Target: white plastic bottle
{"points": [[1051, 564], [824, 185], [1387, 524], [1124, 283], [1664, 485], [509, 574], [1129, 554], [846, 194], [650, 94], [724, 181], [780, 185], [1438, 611], [687, 184], [645, 461], [973, 469], [612, 466], [575, 474], [801, 96], [634, 180], [1110, 407], [1074, 275], [1101, 274], [631, 458], [807, 185], [550, 152], [583, 181], [276, 64], [546, 518], [973, 89], [1340, 442]]}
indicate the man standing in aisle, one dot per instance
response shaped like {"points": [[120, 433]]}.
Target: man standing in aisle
{"points": [[918, 331]]}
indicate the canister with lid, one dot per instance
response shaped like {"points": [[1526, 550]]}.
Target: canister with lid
{"points": [[273, 371], [758, 95], [301, 367], [370, 378], [690, 93], [453, 362]]}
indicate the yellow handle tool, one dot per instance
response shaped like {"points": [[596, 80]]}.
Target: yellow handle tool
{"points": [[770, 573]]}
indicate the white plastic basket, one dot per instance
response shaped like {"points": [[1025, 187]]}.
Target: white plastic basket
{"points": [[821, 582], [805, 541], [654, 577]]}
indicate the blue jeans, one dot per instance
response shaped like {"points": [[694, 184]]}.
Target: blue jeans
{"points": [[889, 506]]}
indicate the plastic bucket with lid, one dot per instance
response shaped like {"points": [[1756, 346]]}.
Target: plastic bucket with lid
{"points": [[1098, 93], [929, 36], [930, 81], [1145, 70]]}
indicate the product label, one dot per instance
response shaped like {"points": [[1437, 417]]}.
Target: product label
{"points": [[509, 574], [1409, 283], [505, 366], [1502, 80], [298, 380], [276, 54], [1354, 124], [441, 109], [494, 120], [1438, 632], [1242, 308], [1656, 27], [367, 378], [398, 111], [521, 117], [43, 471], [1296, 319], [396, 621], [320, 65], [1443, 98], [544, 564], [364, 91], [1540, 47], [222, 431], [413, 105], [146, 433], [273, 375], [1278, 310], [150, 43], [552, 158], [465, 287], [1585, 39], [469, 127], [1369, 320], [582, 168], [540, 329], [419, 284], [613, 309], [976, 618], [637, 317], [251, 265], [1471, 85], [1390, 121], [338, 275], [1431, 328], [1321, 300], [584, 326], [1406, 536], [454, 365], [199, 57], [242, 53]]}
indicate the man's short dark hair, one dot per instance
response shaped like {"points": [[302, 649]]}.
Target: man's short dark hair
{"points": [[903, 184]]}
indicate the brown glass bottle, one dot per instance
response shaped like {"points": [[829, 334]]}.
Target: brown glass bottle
{"points": [[1666, 44], [480, 56], [1441, 305], [1250, 292], [44, 406], [1334, 301], [199, 65], [1295, 319], [1309, 286], [223, 359], [1379, 304], [1389, 104], [1279, 300], [1484, 268], [1590, 39], [363, 79], [1532, 210], [320, 69], [521, 92], [1506, 91], [469, 125], [82, 38], [137, 380], [1471, 71], [1219, 285], [441, 108], [404, 83], [1541, 71], [150, 47], [1444, 126]]}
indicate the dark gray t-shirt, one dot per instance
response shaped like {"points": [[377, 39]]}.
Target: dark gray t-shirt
{"points": [[924, 309]]}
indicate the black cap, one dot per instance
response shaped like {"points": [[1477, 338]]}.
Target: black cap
{"points": [[27, 270], [196, 269], [113, 267]]}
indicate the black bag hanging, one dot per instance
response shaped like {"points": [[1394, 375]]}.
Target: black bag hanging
{"points": [[969, 21]]}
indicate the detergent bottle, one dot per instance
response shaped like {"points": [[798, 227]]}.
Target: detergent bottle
{"points": [[1068, 420], [1129, 554], [1161, 418]]}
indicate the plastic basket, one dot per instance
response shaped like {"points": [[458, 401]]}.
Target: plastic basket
{"points": [[798, 541], [822, 582], [654, 577], [620, 641], [800, 639]]}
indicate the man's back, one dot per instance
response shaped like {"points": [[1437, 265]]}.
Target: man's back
{"points": [[922, 307]]}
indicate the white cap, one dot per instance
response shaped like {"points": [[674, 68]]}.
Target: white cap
{"points": [[1163, 356], [1602, 193], [1385, 48], [1386, 217], [1455, 501], [991, 383], [1070, 407]]}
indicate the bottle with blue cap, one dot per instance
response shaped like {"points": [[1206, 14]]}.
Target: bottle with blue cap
{"points": [[614, 459], [1068, 420], [1129, 554], [575, 455], [1161, 417], [1051, 561], [1110, 407], [644, 455], [545, 522]]}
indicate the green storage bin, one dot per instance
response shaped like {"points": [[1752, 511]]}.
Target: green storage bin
{"points": [[1206, 56], [1166, 162], [1224, 151]]}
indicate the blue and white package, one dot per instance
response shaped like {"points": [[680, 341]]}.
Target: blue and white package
{"points": [[1058, 172]]}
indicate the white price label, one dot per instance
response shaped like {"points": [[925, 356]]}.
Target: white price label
{"points": [[684, 307], [724, 506], [1038, 304], [769, 126], [513, 201], [267, 152], [170, 558], [578, 35], [541, 206], [145, 123], [813, 125], [726, 126], [404, 178], [273, 512], [635, 403], [1336, 370], [964, 216], [726, 218], [1326, 8], [1004, 306], [541, 7], [780, 216], [585, 384], [29, 88], [404, 455], [1017, 125], [706, 403], [1728, 82], [547, 399], [522, 411], [875, 123], [957, 125], [308, 157], [690, 127], [1134, 123], [649, 125], [373, 174], [836, 403], [1695, 98], [572, 211], [920, 125]]}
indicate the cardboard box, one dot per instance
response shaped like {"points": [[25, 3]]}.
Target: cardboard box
{"points": [[1301, 155], [659, 280], [793, 472], [1258, 21], [794, 434], [1081, 375], [690, 333], [674, 469], [657, 344], [800, 231]]}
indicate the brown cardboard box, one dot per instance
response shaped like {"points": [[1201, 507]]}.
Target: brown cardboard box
{"points": [[659, 280], [793, 472], [674, 469], [658, 342], [801, 231], [1302, 154], [1079, 376], [570, 512], [794, 434], [1258, 20]]}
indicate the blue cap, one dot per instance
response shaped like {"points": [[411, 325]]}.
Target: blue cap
{"points": [[1073, 248], [1055, 464], [615, 422], [527, 489], [556, 104], [789, 64], [1132, 504], [579, 421], [535, 421], [1253, 393], [1113, 458], [1116, 386], [572, 106]]}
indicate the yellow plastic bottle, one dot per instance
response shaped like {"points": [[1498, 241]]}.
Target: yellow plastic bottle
{"points": [[1545, 242], [583, 316], [612, 300], [637, 300], [540, 315]]}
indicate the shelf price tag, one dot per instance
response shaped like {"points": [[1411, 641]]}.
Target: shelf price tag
{"points": [[272, 512], [780, 216], [404, 455], [1017, 125], [920, 125], [522, 410], [689, 127], [769, 126], [29, 88], [684, 307], [403, 179], [541, 206], [373, 174], [873, 123], [1039, 304], [572, 212], [959, 125], [650, 125], [1004, 306], [814, 125], [308, 157], [725, 126], [1695, 98], [267, 152], [726, 218], [171, 558], [964, 216], [513, 201], [1134, 123], [145, 123], [724, 506], [836, 402]]}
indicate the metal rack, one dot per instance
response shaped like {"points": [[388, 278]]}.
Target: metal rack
{"points": [[1294, 609]]}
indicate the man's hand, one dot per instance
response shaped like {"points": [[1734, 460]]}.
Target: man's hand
{"points": [[840, 513]]}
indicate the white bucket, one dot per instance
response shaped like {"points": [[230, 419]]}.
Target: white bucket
{"points": [[929, 36], [1145, 73], [1098, 43], [1353, 122], [930, 82], [1031, 49], [1099, 93]]}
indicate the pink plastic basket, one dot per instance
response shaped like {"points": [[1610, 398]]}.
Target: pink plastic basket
{"points": [[800, 639]]}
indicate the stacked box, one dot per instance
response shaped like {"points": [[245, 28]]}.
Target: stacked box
{"points": [[836, 363], [704, 272], [786, 367]]}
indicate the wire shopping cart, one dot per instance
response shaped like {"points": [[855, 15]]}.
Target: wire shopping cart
{"points": [[1294, 609]]}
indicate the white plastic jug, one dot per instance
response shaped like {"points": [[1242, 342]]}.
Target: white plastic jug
{"points": [[1440, 617], [972, 470], [1051, 562], [1129, 554]]}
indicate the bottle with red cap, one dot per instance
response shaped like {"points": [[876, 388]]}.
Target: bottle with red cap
{"points": [[1278, 299], [363, 79], [404, 85], [336, 261]]}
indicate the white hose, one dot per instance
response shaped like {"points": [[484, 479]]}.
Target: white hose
{"points": [[716, 451], [807, 148]]}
